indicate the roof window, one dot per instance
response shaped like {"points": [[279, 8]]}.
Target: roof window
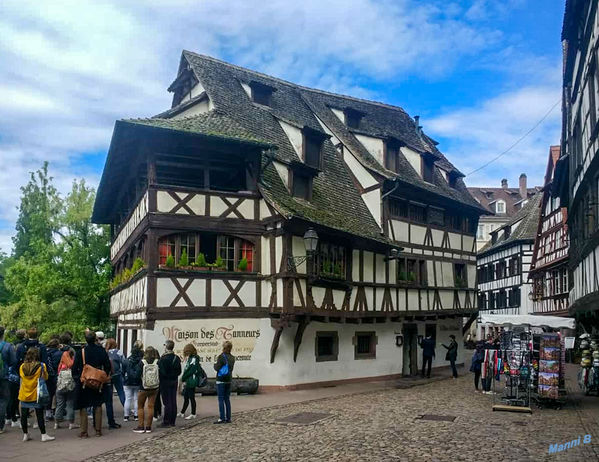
{"points": [[261, 93], [353, 117]]}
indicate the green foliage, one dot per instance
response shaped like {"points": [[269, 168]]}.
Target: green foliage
{"points": [[58, 277], [137, 266], [170, 261], [326, 266], [243, 264], [126, 275], [201, 260], [403, 276], [219, 263], [338, 269], [184, 259], [411, 276]]}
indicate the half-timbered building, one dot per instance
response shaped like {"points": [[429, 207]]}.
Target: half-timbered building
{"points": [[578, 168], [549, 267], [503, 266], [322, 234]]}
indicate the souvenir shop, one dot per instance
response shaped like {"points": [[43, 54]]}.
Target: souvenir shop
{"points": [[588, 375], [525, 363]]}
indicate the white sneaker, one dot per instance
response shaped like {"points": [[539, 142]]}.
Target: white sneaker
{"points": [[155, 419], [73, 425], [26, 437], [46, 437], [190, 416], [180, 414], [15, 424], [56, 426], [35, 425]]}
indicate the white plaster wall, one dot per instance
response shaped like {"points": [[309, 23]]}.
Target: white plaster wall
{"points": [[417, 234], [368, 259], [164, 202], [437, 237], [455, 241], [413, 158], [197, 89], [365, 179], [295, 136], [375, 146], [198, 108], [264, 210], [283, 172], [247, 89], [401, 230], [372, 200], [339, 113], [380, 269], [447, 270], [355, 265], [299, 250]]}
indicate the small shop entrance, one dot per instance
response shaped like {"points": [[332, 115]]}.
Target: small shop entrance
{"points": [[410, 350]]}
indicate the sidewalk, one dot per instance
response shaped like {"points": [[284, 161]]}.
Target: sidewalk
{"points": [[68, 447]]}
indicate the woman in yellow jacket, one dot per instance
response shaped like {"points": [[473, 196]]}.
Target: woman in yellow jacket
{"points": [[30, 372]]}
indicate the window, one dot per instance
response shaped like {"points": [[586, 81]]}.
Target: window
{"points": [[417, 213], [330, 260], [166, 247], [564, 277], [327, 346], [302, 185], [502, 299], [226, 250], [398, 209], [246, 250], [352, 118], [392, 157], [461, 279], [480, 232], [500, 207], [261, 93], [436, 216], [365, 345], [482, 302], [312, 149], [412, 270], [491, 300], [428, 169], [188, 244]]}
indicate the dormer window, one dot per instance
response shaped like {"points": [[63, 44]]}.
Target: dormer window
{"points": [[312, 147], [261, 93], [392, 156], [353, 118], [428, 168], [500, 206], [301, 185], [453, 179]]}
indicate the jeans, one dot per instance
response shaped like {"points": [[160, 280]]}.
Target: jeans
{"points": [[454, 371], [425, 360], [168, 390], [13, 402], [40, 420], [150, 397], [108, 391], [131, 394], [476, 379], [224, 403], [117, 383], [65, 405], [4, 400], [189, 396]]}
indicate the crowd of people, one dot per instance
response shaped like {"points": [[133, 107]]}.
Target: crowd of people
{"points": [[52, 381]]}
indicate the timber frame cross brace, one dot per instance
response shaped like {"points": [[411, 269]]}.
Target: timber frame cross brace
{"points": [[297, 341]]}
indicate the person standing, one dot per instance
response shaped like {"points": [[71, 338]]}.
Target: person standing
{"points": [[170, 368], [65, 387], [190, 379], [54, 356], [477, 359], [150, 381], [14, 382], [428, 353], [30, 371], [224, 374], [132, 379], [452, 355], [94, 355], [8, 359], [116, 381], [32, 342]]}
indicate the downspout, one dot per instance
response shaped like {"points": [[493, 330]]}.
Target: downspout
{"points": [[382, 206]]}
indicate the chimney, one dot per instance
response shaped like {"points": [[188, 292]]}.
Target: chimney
{"points": [[523, 189], [504, 183], [417, 122]]}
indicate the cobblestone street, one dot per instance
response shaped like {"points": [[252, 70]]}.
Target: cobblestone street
{"points": [[384, 425]]}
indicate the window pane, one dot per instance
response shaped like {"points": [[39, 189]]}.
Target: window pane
{"points": [[301, 186], [312, 151], [227, 251], [246, 250]]}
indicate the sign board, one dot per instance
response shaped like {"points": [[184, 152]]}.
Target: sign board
{"points": [[569, 342], [208, 335]]}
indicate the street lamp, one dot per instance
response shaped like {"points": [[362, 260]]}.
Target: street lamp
{"points": [[311, 244]]}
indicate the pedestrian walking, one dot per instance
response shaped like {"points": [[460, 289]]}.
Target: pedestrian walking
{"points": [[428, 353], [193, 374], [477, 359], [95, 356], [132, 380], [116, 381], [32, 371], [65, 385], [8, 359], [452, 355], [169, 367], [224, 373], [150, 381]]}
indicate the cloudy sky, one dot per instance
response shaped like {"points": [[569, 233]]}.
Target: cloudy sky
{"points": [[480, 73]]}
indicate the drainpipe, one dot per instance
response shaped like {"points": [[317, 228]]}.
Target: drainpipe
{"points": [[383, 198]]}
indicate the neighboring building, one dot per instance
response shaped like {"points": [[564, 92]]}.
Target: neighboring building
{"points": [[503, 202], [243, 170], [504, 263], [578, 169], [549, 268]]}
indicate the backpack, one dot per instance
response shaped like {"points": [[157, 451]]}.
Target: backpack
{"points": [[150, 378], [92, 377], [198, 378], [133, 371], [224, 370], [65, 381]]}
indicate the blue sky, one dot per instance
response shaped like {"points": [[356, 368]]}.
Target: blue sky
{"points": [[480, 73]]}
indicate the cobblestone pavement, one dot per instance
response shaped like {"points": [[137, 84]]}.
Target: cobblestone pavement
{"points": [[383, 425]]}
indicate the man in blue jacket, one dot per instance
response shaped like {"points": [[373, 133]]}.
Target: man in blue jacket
{"points": [[428, 353], [9, 358], [32, 341]]}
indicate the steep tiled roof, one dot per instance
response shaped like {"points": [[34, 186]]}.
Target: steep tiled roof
{"points": [[528, 219], [511, 196], [213, 124]]}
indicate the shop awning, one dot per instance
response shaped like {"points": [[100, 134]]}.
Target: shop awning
{"points": [[555, 322]]}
